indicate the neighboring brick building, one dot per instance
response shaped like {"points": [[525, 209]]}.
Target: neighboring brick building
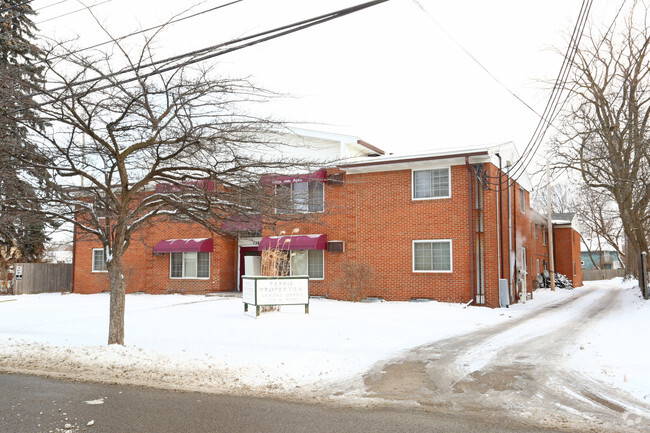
{"points": [[439, 225]]}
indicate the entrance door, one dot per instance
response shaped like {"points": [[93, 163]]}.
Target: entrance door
{"points": [[243, 253]]}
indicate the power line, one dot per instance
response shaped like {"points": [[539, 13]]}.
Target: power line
{"points": [[211, 51], [159, 26], [59, 16], [516, 170], [552, 104], [603, 39], [200, 55], [15, 6], [471, 56]]}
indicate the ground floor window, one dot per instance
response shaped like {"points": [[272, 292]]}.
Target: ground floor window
{"points": [[99, 260], [432, 256], [189, 265], [308, 262]]}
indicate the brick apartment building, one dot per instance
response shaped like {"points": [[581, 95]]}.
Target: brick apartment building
{"points": [[441, 225]]}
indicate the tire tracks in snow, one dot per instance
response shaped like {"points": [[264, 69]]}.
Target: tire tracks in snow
{"points": [[518, 370]]}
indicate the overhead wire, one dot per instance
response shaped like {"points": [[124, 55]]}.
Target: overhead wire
{"points": [[552, 106], [138, 32], [602, 40], [206, 53]]}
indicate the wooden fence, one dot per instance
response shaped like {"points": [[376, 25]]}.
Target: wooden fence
{"points": [[43, 278], [601, 274]]}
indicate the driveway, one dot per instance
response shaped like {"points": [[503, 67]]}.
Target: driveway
{"points": [[516, 370]]}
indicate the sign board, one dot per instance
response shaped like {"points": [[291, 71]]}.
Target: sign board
{"points": [[283, 292], [268, 291], [19, 272]]}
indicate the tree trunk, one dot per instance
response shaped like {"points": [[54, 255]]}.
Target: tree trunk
{"points": [[118, 296]]}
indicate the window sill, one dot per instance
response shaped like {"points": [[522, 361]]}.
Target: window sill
{"points": [[190, 278], [433, 272], [430, 198]]}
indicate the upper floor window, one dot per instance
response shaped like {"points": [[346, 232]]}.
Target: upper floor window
{"points": [[99, 260], [433, 183], [301, 197], [522, 200]]}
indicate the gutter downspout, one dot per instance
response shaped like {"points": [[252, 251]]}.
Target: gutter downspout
{"points": [[74, 253], [471, 225], [510, 268], [499, 220]]}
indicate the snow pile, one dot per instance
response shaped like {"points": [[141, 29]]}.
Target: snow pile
{"points": [[208, 343], [617, 349]]}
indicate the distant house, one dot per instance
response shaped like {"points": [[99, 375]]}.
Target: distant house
{"points": [[444, 225], [600, 260]]}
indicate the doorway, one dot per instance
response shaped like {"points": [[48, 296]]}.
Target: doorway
{"points": [[245, 252]]}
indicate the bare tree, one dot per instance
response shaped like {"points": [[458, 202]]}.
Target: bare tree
{"points": [[128, 145], [606, 125], [601, 226]]}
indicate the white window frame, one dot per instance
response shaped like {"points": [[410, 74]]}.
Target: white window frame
{"points": [[522, 201], [293, 203], [323, 261], [93, 258], [183, 277], [451, 256], [430, 198]]}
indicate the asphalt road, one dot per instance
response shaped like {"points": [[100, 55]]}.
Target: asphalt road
{"points": [[30, 404]]}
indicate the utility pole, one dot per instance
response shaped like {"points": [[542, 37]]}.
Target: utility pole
{"points": [[551, 259]]}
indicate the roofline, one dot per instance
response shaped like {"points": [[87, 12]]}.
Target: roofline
{"points": [[415, 159]]}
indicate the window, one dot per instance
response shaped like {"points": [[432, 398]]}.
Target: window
{"points": [[536, 231], [431, 184], [432, 256], [544, 237], [301, 197], [522, 200], [189, 265], [539, 271], [308, 262], [99, 260]]}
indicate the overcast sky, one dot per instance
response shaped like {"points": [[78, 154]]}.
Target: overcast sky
{"points": [[387, 74]]}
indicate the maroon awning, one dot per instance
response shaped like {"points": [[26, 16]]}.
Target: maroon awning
{"points": [[202, 245], [272, 179], [242, 223], [295, 242]]}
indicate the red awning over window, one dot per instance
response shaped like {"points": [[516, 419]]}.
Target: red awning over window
{"points": [[296, 242], [202, 245]]}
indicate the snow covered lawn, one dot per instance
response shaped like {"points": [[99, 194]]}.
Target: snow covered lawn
{"points": [[210, 344]]}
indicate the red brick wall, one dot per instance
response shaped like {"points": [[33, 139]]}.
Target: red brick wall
{"points": [[567, 254], [146, 272], [376, 217]]}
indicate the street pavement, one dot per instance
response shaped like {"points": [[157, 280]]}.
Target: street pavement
{"points": [[31, 404]]}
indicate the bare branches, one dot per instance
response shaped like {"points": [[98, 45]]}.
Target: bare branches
{"points": [[607, 124]]}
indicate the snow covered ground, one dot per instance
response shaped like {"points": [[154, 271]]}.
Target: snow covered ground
{"points": [[210, 344]]}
